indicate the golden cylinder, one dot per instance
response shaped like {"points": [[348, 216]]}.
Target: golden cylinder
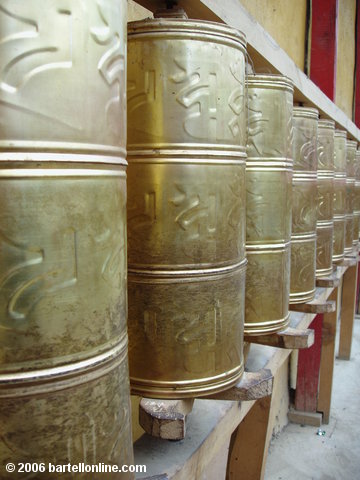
{"points": [[304, 205], [325, 197], [350, 236], [268, 203], [324, 248], [63, 76], [357, 195], [339, 239], [64, 384], [186, 207], [339, 195]]}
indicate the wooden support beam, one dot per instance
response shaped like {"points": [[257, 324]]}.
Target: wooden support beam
{"points": [[316, 307], [327, 362], [328, 282], [347, 312], [165, 418], [305, 418], [252, 386], [324, 45], [249, 444], [291, 338]]}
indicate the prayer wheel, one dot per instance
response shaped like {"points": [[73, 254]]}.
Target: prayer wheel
{"points": [[304, 205], [350, 242], [268, 203], [325, 198], [339, 195], [64, 387], [186, 206], [357, 196]]}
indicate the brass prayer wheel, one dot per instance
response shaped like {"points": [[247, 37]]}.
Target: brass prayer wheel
{"points": [[64, 387], [304, 205], [186, 206], [268, 203], [325, 197], [339, 195], [357, 196], [350, 195]]}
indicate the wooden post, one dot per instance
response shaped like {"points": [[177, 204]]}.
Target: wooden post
{"points": [[323, 45], [357, 67], [347, 312], [327, 361], [249, 444], [307, 381]]}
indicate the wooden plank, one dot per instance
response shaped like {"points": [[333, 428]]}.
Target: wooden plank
{"points": [[305, 418], [327, 362], [316, 306], [307, 379], [252, 386], [249, 444], [347, 312], [165, 418], [328, 282], [323, 45], [291, 338]]}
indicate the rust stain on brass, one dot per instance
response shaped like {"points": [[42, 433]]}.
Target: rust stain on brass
{"points": [[339, 195], [304, 207], [186, 206], [268, 203], [64, 387], [325, 197]]}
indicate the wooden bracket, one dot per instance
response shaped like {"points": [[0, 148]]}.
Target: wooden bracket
{"points": [[252, 386], [328, 282], [349, 261], [165, 418], [291, 338], [315, 306]]}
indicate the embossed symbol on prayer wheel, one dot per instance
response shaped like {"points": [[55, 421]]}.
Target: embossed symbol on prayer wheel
{"points": [[268, 203], [304, 210], [339, 194], [64, 388], [186, 206]]}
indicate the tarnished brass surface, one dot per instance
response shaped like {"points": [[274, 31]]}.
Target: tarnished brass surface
{"points": [[356, 227], [339, 238], [178, 97], [340, 152], [357, 194], [81, 417], [325, 197], [191, 327], [186, 207], [339, 194], [324, 248], [304, 205], [268, 203], [63, 311], [63, 76], [350, 195], [303, 265]]}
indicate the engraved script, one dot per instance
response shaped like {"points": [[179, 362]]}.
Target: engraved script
{"points": [[36, 272]]}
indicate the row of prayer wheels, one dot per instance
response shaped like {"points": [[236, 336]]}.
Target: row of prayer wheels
{"points": [[234, 198]]}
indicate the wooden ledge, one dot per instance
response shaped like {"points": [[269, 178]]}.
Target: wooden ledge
{"points": [[328, 282], [252, 386], [291, 338], [165, 418], [315, 306], [349, 261]]}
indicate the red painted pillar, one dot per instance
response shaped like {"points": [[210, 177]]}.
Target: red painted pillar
{"points": [[323, 45], [307, 382]]}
